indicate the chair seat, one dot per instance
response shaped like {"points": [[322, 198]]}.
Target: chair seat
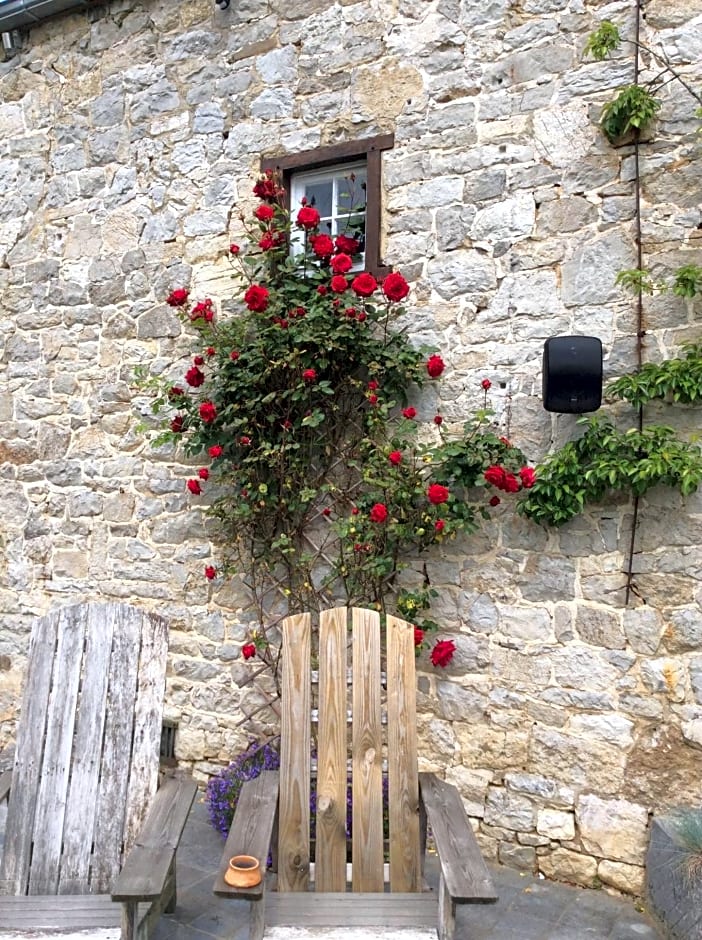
{"points": [[352, 909], [53, 912]]}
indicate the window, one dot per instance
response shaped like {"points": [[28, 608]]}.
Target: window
{"points": [[343, 183]]}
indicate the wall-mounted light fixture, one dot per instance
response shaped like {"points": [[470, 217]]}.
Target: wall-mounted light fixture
{"points": [[572, 374]]}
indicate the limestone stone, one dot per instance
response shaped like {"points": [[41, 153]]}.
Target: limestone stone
{"points": [[521, 857], [643, 628], [556, 824], [612, 829], [684, 630], [614, 729], [566, 865], [692, 733], [599, 627], [509, 810], [627, 878], [664, 675]]}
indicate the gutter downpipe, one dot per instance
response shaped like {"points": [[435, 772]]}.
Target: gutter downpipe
{"points": [[15, 14]]}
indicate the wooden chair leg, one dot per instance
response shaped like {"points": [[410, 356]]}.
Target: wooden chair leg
{"points": [[257, 918], [447, 913], [171, 889], [130, 918]]}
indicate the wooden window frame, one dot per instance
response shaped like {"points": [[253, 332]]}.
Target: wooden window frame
{"points": [[370, 149]]}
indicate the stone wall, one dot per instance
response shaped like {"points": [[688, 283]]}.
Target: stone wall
{"points": [[129, 138]]}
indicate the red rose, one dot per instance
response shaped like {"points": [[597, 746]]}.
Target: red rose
{"points": [[307, 217], [486, 384], [512, 484], [203, 473], [210, 573], [266, 188], [256, 298], [347, 245], [438, 419], [321, 290], [373, 385], [194, 377], [194, 487], [322, 246], [203, 311], [264, 213], [378, 513], [341, 264], [244, 440], [326, 511], [495, 475], [234, 249], [248, 650], [506, 441], [495, 500], [409, 413], [528, 477], [373, 399], [338, 284], [364, 284], [215, 451], [442, 654], [418, 636], [176, 392], [395, 457], [177, 424], [361, 316], [439, 525], [210, 351], [208, 412], [437, 494], [350, 313], [178, 297], [435, 366], [309, 375], [268, 241], [198, 360], [395, 287]]}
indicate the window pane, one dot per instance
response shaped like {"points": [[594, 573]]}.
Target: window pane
{"points": [[320, 196], [351, 192]]}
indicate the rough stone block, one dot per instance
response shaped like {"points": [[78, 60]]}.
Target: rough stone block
{"points": [[612, 829]]}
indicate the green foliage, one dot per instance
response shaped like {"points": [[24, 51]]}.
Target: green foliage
{"points": [[635, 279], [687, 280], [604, 40], [605, 458], [632, 110], [678, 380]]}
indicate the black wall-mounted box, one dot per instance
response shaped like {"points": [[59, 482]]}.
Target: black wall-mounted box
{"points": [[572, 374]]}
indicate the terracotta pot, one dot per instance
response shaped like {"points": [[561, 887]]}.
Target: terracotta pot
{"points": [[244, 872]]}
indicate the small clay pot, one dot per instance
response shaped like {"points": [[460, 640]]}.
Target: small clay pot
{"points": [[244, 872]]}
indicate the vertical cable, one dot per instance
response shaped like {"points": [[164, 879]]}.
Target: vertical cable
{"points": [[640, 330]]}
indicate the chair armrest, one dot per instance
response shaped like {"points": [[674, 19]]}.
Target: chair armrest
{"points": [[145, 870], [464, 871], [251, 830]]}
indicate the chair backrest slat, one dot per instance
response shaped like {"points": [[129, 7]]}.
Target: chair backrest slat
{"points": [[56, 763], [295, 759], [367, 754], [83, 792], [403, 784], [16, 858], [330, 848]]}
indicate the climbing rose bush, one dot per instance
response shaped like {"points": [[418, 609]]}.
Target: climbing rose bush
{"points": [[302, 401]]}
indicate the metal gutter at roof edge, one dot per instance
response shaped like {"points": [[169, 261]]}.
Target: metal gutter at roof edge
{"points": [[15, 14]]}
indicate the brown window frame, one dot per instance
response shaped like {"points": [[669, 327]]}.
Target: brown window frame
{"points": [[370, 149]]}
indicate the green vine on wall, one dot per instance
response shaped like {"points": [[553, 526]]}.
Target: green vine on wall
{"points": [[606, 459]]}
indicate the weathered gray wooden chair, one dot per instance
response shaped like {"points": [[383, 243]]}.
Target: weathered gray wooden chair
{"points": [[86, 825], [413, 799]]}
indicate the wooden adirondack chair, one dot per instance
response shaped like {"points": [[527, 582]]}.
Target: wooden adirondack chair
{"points": [[413, 799], [83, 791]]}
